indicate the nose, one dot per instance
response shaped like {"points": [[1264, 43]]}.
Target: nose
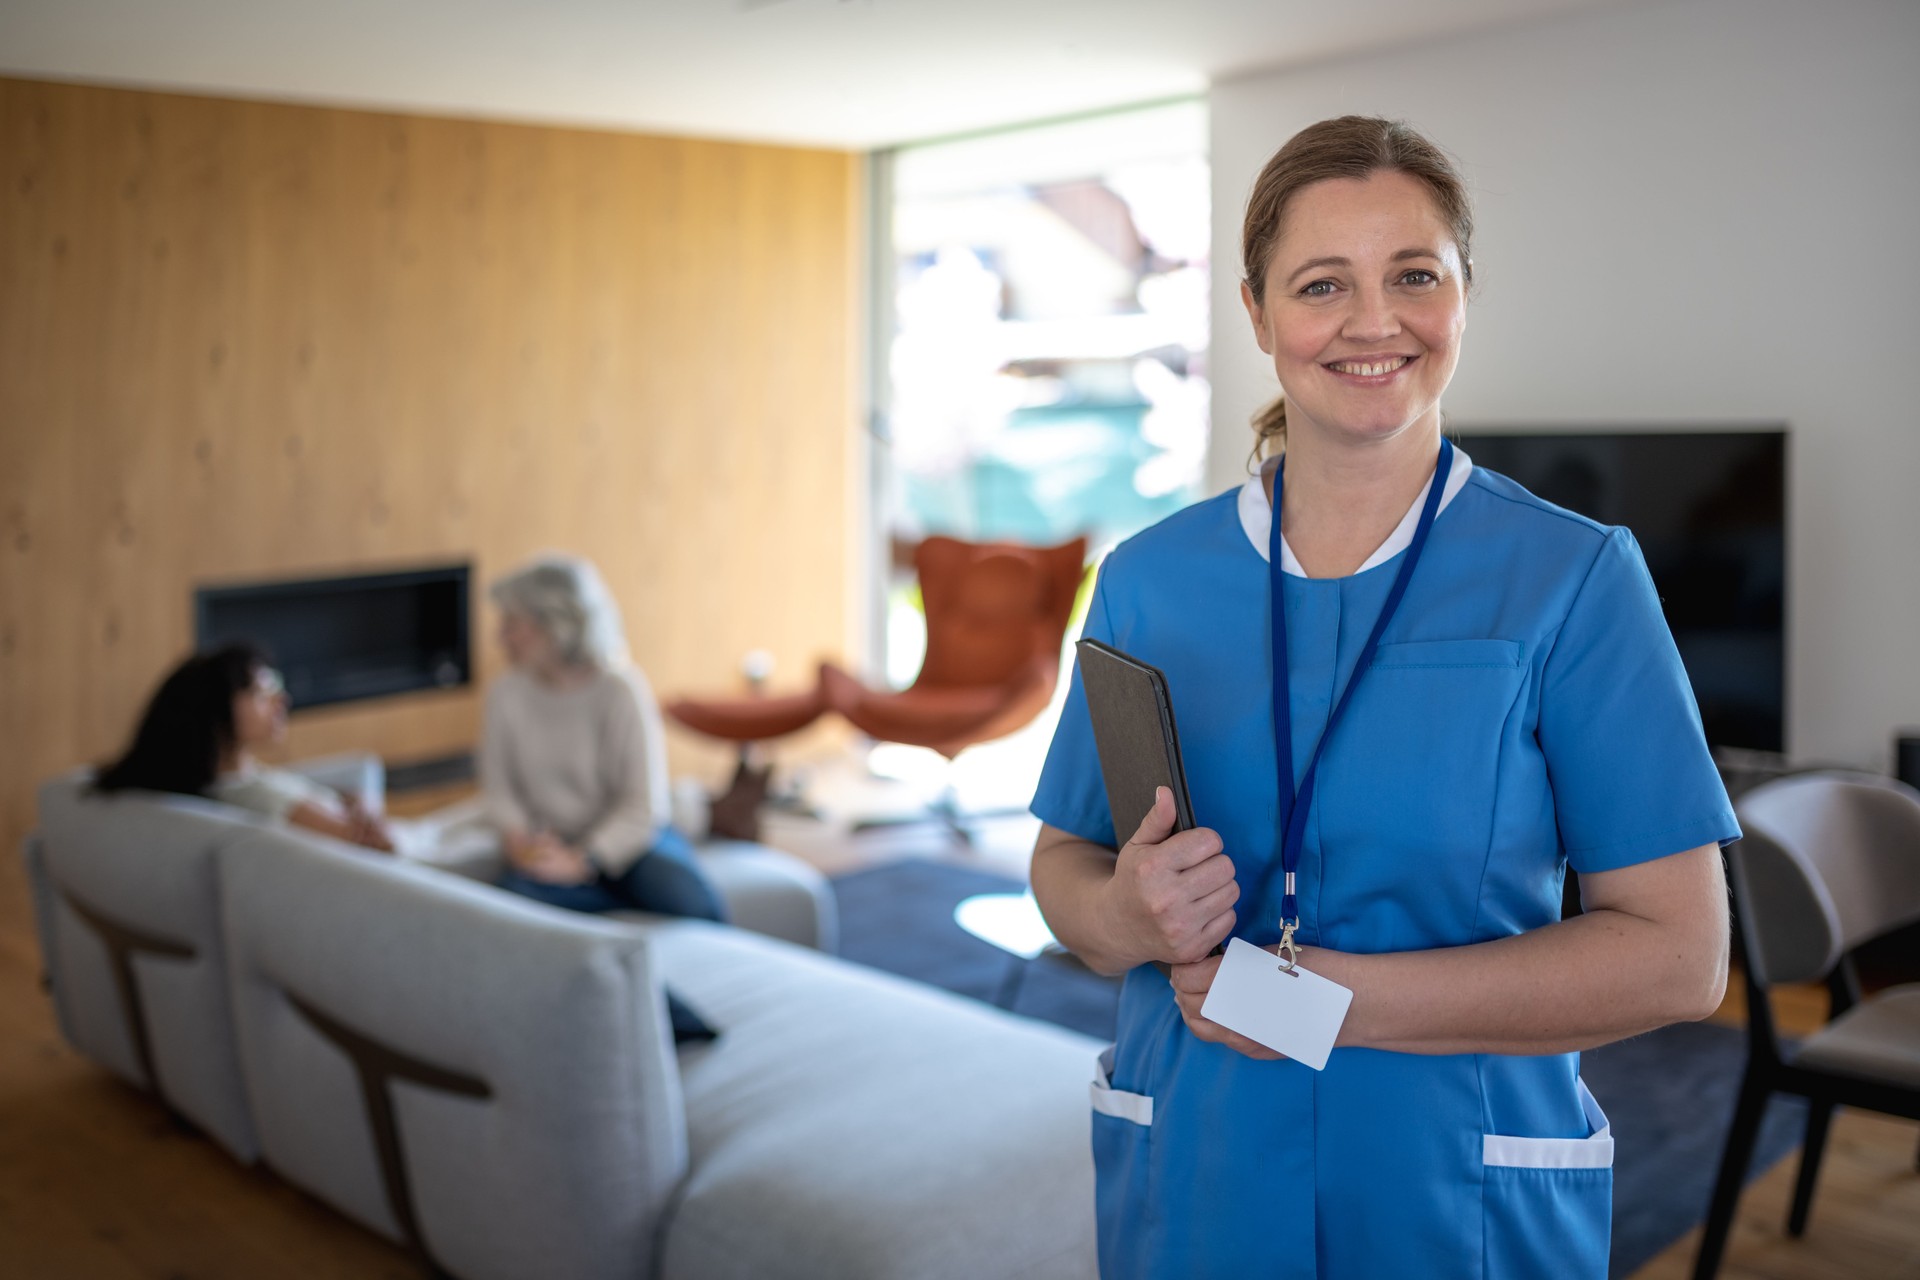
{"points": [[1372, 317]]}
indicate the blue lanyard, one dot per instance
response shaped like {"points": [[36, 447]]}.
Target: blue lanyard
{"points": [[1294, 807]]}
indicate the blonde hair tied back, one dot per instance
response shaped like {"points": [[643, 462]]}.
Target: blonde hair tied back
{"points": [[1269, 424]]}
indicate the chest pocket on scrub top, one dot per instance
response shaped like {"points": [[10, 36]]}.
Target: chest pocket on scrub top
{"points": [[1407, 812]]}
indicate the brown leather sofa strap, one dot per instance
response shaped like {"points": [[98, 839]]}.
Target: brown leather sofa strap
{"points": [[123, 943], [378, 1065]]}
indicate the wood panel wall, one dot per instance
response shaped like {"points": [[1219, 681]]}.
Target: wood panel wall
{"points": [[244, 341]]}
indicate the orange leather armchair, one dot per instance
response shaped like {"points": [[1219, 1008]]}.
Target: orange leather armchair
{"points": [[996, 616]]}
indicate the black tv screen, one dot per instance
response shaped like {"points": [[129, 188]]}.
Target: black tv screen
{"points": [[1709, 509]]}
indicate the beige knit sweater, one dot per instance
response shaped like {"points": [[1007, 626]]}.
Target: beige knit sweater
{"points": [[587, 762]]}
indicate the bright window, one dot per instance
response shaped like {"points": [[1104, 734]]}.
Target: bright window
{"points": [[1047, 369]]}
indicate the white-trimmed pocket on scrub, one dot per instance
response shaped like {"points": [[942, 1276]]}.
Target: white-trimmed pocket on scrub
{"points": [[1594, 1151], [1548, 1203], [1109, 1101]]}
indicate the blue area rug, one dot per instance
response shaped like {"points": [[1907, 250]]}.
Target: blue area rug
{"points": [[900, 918], [1669, 1095]]}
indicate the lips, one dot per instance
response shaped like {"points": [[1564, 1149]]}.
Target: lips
{"points": [[1378, 368]]}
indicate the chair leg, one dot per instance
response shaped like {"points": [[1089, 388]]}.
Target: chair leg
{"points": [[1733, 1175], [1819, 1116]]}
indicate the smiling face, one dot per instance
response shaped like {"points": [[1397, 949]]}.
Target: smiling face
{"points": [[1362, 309]]}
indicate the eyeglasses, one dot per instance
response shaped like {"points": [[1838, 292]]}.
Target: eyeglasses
{"points": [[269, 683]]}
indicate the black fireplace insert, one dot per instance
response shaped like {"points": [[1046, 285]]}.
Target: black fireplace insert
{"points": [[348, 638]]}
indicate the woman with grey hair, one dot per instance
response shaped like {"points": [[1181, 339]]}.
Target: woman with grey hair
{"points": [[573, 765]]}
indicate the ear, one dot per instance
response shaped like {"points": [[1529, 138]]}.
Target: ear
{"points": [[1257, 314]]}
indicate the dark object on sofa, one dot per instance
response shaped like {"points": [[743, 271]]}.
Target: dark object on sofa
{"points": [[688, 1026]]}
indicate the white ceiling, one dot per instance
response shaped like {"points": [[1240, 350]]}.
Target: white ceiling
{"points": [[841, 73]]}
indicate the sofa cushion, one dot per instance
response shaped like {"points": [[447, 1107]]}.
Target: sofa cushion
{"points": [[137, 866], [765, 890], [850, 1125], [537, 1124]]}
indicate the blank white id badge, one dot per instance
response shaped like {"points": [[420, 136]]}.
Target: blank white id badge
{"points": [[1298, 1014]]}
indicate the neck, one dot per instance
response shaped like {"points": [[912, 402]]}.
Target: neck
{"points": [[562, 675], [1343, 500], [235, 760]]}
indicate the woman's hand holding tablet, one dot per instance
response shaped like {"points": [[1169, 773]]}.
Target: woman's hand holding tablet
{"points": [[1172, 893]]}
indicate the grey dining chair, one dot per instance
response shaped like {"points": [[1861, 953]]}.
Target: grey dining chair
{"points": [[1829, 861]]}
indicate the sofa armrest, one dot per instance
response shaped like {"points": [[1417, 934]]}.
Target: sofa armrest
{"points": [[352, 773], [456, 838], [771, 892]]}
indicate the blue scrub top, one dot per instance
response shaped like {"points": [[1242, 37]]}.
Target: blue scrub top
{"points": [[1526, 711]]}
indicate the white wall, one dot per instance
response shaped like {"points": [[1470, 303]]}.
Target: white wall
{"points": [[1702, 211]]}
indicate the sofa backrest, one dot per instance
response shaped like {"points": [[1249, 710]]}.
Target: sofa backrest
{"points": [[128, 906], [488, 1081]]}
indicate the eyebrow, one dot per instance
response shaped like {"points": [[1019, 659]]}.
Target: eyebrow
{"points": [[1313, 264]]}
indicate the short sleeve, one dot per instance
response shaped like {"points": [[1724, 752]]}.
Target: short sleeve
{"points": [[1072, 795], [1627, 760]]}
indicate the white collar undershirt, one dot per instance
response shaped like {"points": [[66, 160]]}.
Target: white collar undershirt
{"points": [[1256, 515]]}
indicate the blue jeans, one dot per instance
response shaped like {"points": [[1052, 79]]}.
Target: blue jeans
{"points": [[666, 880]]}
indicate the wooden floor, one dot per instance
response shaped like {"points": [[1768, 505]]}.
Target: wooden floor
{"points": [[1865, 1222], [96, 1183]]}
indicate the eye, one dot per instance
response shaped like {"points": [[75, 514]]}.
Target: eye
{"points": [[1318, 289], [1420, 278]]}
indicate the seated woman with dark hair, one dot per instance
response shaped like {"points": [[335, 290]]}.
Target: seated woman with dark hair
{"points": [[197, 738]]}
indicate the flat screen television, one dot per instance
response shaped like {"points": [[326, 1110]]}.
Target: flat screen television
{"points": [[1709, 509]]}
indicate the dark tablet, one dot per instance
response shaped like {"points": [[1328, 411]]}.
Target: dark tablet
{"points": [[1134, 733]]}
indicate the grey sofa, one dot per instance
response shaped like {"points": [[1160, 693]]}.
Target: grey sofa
{"points": [[492, 1083], [126, 893]]}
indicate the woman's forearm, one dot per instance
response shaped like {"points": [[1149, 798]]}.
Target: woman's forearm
{"points": [[1165, 897], [621, 838], [1068, 878], [362, 830], [1599, 977]]}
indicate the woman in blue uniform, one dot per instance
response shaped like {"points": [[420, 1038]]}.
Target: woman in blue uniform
{"points": [[1473, 690]]}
